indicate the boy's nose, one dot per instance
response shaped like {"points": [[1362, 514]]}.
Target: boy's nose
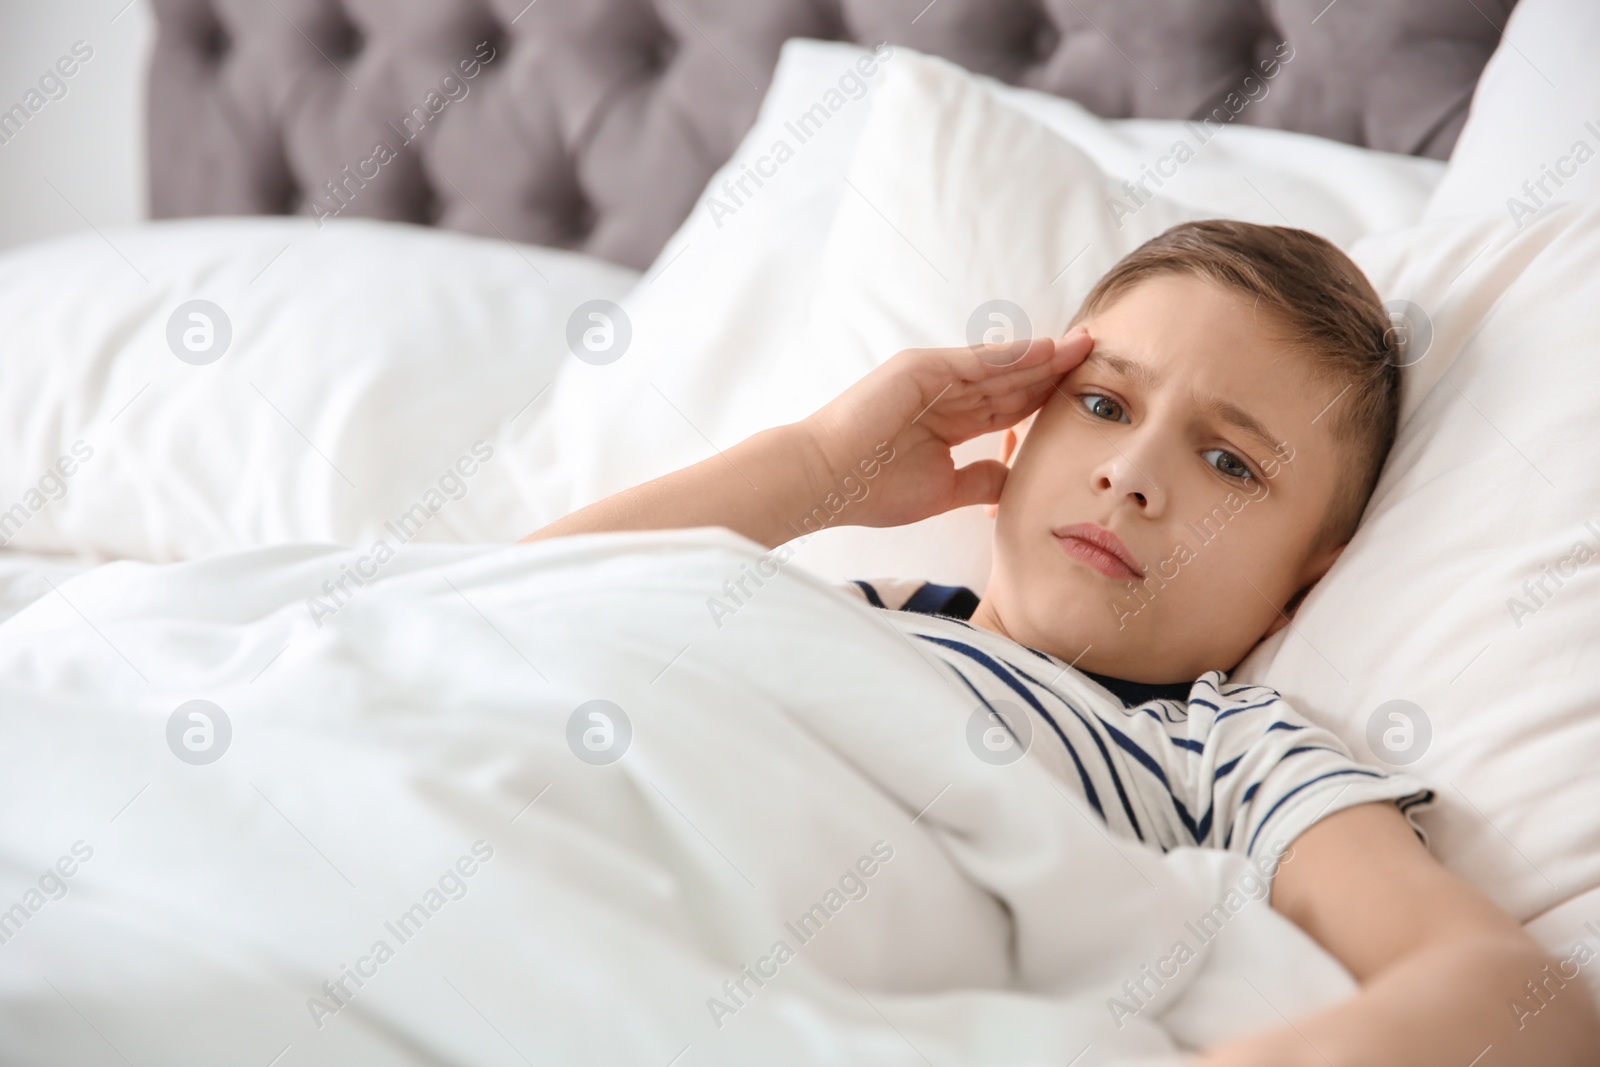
{"points": [[1128, 476]]}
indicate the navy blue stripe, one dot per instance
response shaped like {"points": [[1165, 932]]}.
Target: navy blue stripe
{"points": [[1105, 754], [1311, 748], [1090, 793], [1248, 793], [1406, 803], [1247, 707], [945, 600], [1272, 810], [1418, 797], [871, 594], [1197, 831], [927, 599], [968, 683]]}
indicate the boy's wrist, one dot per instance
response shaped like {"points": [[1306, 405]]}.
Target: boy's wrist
{"points": [[813, 460], [792, 476]]}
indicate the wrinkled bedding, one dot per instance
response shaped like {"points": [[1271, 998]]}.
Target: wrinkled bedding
{"points": [[395, 831]]}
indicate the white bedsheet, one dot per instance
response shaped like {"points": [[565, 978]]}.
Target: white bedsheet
{"points": [[27, 576], [425, 724]]}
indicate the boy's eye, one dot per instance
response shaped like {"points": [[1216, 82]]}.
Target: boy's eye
{"points": [[1232, 466], [1097, 404], [1103, 407]]}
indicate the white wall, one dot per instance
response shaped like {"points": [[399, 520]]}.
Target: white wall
{"points": [[89, 143]]}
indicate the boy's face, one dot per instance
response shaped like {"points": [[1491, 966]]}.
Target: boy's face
{"points": [[1222, 554]]}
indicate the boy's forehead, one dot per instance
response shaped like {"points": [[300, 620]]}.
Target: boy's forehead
{"points": [[1183, 319], [1215, 404]]}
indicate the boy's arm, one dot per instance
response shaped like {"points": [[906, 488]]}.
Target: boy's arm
{"points": [[876, 455], [1440, 966], [757, 488]]}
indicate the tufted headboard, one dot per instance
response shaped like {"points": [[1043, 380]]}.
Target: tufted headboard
{"points": [[595, 124]]}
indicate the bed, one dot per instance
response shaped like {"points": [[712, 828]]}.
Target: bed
{"points": [[307, 763]]}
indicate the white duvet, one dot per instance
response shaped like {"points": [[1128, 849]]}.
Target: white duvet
{"points": [[392, 852]]}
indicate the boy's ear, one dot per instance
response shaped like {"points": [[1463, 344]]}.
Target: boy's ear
{"points": [[1318, 570], [1013, 439], [1008, 452]]}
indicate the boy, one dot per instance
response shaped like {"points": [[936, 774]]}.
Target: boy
{"points": [[1200, 445]]}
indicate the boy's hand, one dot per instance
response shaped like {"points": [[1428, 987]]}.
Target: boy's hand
{"points": [[924, 402], [790, 479]]}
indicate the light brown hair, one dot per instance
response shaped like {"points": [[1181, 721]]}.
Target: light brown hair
{"points": [[1323, 306]]}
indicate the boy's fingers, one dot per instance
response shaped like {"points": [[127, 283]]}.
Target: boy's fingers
{"points": [[1025, 388], [1072, 348], [943, 368], [1039, 355], [1010, 354], [1077, 340], [1051, 369], [969, 378]]}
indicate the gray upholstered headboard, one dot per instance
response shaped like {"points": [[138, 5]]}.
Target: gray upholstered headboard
{"points": [[596, 123]]}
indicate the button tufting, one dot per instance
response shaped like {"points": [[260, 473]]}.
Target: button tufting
{"points": [[591, 88], [581, 219], [1046, 39], [216, 43], [496, 41], [431, 206], [346, 41], [665, 50]]}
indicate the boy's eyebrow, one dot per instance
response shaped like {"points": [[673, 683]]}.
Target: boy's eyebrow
{"points": [[1216, 406]]}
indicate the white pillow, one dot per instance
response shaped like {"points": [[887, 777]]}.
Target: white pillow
{"points": [[711, 359], [956, 201], [362, 362], [1239, 171], [1492, 483], [1533, 120], [961, 198]]}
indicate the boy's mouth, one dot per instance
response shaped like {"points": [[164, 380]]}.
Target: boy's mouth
{"points": [[1100, 549]]}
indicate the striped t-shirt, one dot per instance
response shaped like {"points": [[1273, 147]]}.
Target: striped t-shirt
{"points": [[1209, 763]]}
